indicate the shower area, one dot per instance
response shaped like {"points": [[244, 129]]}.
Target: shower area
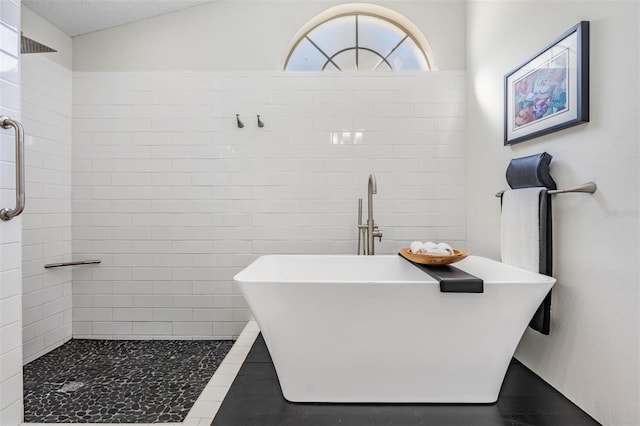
{"points": [[104, 371]]}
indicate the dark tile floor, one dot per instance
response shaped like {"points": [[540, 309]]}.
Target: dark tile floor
{"points": [[119, 381], [255, 399]]}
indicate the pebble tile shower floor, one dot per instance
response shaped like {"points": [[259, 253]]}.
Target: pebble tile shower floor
{"points": [[120, 381]]}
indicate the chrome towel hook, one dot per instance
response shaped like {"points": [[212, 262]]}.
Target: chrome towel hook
{"points": [[238, 122], [260, 123]]}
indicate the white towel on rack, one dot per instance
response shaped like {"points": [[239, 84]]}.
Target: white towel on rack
{"points": [[520, 228]]}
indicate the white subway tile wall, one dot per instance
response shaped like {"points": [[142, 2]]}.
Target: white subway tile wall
{"points": [[46, 112], [176, 199], [10, 231]]}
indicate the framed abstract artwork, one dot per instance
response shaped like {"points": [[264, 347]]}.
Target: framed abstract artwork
{"points": [[550, 91]]}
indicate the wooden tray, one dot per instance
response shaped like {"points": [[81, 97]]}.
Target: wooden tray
{"points": [[433, 259]]}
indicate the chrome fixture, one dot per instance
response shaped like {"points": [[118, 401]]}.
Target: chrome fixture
{"points": [[5, 123], [362, 230], [369, 231], [589, 188], [77, 262], [260, 123], [238, 122]]}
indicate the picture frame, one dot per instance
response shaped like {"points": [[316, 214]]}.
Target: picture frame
{"points": [[550, 91]]}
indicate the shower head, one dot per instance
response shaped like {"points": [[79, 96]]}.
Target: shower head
{"points": [[28, 45]]}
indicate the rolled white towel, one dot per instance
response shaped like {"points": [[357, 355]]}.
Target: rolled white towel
{"points": [[445, 246], [416, 247], [429, 245]]}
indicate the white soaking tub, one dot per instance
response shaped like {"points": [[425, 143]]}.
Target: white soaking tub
{"points": [[343, 328]]}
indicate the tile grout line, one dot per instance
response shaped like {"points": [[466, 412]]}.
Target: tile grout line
{"points": [[208, 402]]}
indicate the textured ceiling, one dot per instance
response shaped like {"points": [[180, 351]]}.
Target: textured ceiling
{"points": [[76, 17]]}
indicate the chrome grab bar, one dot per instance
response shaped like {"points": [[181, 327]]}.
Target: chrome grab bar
{"points": [[8, 214], [77, 262], [589, 188]]}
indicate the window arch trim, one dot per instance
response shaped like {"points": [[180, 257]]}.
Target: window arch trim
{"points": [[366, 9]]}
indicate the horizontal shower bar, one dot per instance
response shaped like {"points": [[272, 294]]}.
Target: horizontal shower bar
{"points": [[78, 262]]}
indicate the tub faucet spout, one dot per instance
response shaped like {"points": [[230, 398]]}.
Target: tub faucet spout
{"points": [[372, 188], [369, 231]]}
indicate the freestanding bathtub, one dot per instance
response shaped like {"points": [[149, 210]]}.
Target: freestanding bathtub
{"points": [[344, 328]]}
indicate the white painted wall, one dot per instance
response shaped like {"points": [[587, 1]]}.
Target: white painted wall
{"points": [[46, 112], [592, 353], [10, 231], [247, 35], [175, 199]]}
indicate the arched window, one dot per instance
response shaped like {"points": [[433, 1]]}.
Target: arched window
{"points": [[359, 37]]}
